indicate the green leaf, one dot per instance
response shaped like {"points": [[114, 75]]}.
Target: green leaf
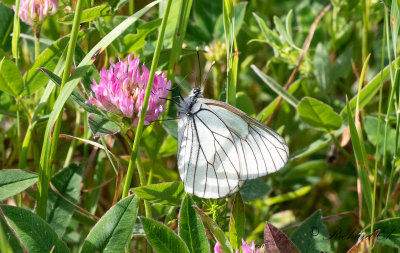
{"points": [[10, 78], [216, 231], [275, 87], [318, 114], [59, 211], [48, 59], [112, 232], [133, 42], [10, 239], [33, 232], [101, 126], [321, 67], [240, 11], [169, 147], [13, 181], [254, 189], [245, 103], [236, 224], [191, 229], [311, 235], [88, 14], [161, 238], [389, 231], [170, 193]]}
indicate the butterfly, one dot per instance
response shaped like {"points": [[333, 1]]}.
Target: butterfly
{"points": [[220, 146]]}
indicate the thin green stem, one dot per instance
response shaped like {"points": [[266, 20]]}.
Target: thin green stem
{"points": [[45, 169], [18, 127], [377, 156], [72, 146], [36, 34], [366, 7], [142, 178], [140, 125], [131, 7], [25, 146], [16, 32]]}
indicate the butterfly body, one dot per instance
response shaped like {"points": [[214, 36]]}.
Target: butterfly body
{"points": [[220, 146]]}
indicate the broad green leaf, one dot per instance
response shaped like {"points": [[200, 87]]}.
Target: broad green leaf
{"points": [[276, 241], [161, 238], [170, 193], [318, 114], [216, 231], [236, 224], [88, 14], [358, 151], [275, 87], [101, 126], [10, 240], [169, 147], [172, 21], [311, 235], [10, 78], [13, 181], [59, 211], [191, 229], [206, 14], [322, 68], [133, 42], [112, 232], [254, 189], [245, 103], [389, 231], [33, 232], [48, 59]]}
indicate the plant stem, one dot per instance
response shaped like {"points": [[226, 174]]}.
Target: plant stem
{"points": [[140, 125], [365, 4], [131, 7], [142, 178], [377, 156], [71, 148], [36, 34], [45, 169]]}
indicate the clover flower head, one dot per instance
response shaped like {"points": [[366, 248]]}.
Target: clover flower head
{"points": [[122, 88], [33, 12]]}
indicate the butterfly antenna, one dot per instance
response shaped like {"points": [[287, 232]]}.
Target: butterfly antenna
{"points": [[206, 76], [198, 60]]}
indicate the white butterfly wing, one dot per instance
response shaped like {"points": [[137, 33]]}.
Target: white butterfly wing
{"points": [[207, 157], [261, 149], [219, 146]]}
